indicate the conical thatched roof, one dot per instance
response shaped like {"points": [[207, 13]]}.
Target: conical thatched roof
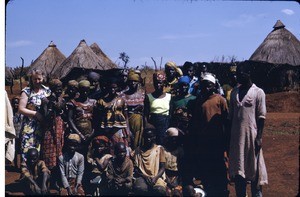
{"points": [[49, 60], [279, 47], [103, 57], [82, 57]]}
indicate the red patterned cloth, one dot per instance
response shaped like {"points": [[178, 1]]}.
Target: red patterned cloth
{"points": [[53, 142]]}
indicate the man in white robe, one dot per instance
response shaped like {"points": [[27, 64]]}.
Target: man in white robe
{"points": [[247, 115]]}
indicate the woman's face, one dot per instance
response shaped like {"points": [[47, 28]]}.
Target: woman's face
{"points": [[58, 90], [100, 148], [84, 91], [37, 80], [158, 85], [113, 89], [132, 84], [170, 72]]}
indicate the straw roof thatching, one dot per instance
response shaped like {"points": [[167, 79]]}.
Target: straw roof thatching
{"points": [[103, 57], [82, 57], [48, 61], [279, 47]]}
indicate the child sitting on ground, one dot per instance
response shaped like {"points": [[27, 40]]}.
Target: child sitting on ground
{"points": [[97, 160], [35, 174], [71, 166], [119, 172]]}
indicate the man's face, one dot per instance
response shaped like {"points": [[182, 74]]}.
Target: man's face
{"points": [[243, 75]]}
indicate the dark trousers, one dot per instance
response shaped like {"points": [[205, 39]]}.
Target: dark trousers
{"points": [[161, 124], [241, 186]]}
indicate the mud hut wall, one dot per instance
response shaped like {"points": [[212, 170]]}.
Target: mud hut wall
{"points": [[270, 77]]}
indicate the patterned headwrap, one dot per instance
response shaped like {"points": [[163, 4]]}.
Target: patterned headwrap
{"points": [[75, 137], [73, 83], [84, 83], [173, 65], [99, 138], [159, 76], [133, 76]]}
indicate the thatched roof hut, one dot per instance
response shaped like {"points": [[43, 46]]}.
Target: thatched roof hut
{"points": [[82, 57], [103, 57], [279, 47], [48, 61]]}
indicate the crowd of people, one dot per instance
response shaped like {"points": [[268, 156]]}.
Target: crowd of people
{"points": [[189, 137]]}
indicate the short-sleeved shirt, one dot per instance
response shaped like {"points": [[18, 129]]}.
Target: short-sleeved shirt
{"points": [[148, 161]]}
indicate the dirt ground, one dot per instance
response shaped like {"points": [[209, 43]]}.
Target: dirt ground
{"points": [[280, 146]]}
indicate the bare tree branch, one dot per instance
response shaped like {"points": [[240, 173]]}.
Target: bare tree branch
{"points": [[21, 73], [154, 63]]}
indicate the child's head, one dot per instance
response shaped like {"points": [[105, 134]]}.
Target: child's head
{"points": [[120, 151], [100, 145], [32, 156], [73, 142], [172, 138], [149, 135], [55, 86], [72, 88]]}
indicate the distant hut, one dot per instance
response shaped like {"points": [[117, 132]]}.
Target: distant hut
{"points": [[82, 57], [279, 47], [48, 61], [276, 61], [103, 57]]}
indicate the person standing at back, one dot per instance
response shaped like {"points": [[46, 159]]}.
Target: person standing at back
{"points": [[157, 107], [247, 115], [29, 106]]}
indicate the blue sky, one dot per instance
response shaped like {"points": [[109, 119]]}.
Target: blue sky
{"points": [[177, 30]]}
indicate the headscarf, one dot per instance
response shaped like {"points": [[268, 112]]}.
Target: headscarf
{"points": [[184, 79], [159, 76], [94, 76], [173, 65], [73, 83], [84, 83], [133, 76], [75, 137], [54, 83], [172, 132], [99, 138], [209, 77]]}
